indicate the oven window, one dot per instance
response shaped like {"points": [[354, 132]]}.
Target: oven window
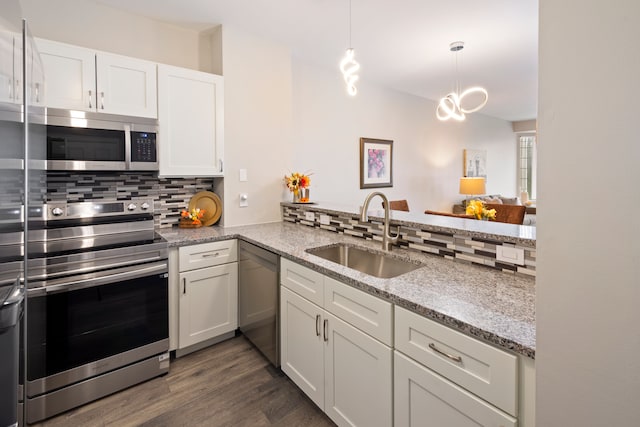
{"points": [[70, 329]]}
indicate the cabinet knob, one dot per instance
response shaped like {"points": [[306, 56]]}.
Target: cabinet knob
{"points": [[131, 207], [57, 211], [145, 206]]}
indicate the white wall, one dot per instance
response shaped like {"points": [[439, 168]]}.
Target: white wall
{"points": [[96, 26], [427, 153], [258, 125], [588, 271]]}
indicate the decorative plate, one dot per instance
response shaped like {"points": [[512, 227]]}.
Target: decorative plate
{"points": [[211, 204]]}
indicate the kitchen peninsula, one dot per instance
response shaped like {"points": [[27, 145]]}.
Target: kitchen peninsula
{"points": [[495, 306]]}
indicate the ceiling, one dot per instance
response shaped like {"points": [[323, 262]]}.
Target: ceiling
{"points": [[401, 44]]}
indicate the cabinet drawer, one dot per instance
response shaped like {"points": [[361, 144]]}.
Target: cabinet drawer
{"points": [[366, 312], [478, 367], [302, 280], [207, 254], [423, 398]]}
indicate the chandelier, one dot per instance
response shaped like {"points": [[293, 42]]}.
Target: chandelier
{"points": [[349, 66], [452, 105]]}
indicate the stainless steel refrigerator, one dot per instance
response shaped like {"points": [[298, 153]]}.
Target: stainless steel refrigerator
{"points": [[22, 193]]}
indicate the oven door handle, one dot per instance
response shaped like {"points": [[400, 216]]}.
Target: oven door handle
{"points": [[100, 278]]}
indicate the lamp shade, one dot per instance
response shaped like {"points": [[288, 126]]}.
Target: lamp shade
{"points": [[472, 185]]}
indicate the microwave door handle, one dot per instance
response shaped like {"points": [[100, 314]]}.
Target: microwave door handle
{"points": [[127, 146]]}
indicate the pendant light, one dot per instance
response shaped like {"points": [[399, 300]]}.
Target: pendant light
{"points": [[451, 106], [349, 66]]}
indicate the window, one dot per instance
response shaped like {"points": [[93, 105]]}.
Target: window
{"points": [[527, 164]]}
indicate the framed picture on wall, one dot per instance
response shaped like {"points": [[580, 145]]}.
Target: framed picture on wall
{"points": [[376, 161], [475, 163]]}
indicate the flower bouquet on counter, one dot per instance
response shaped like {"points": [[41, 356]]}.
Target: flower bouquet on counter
{"points": [[298, 184], [478, 210], [191, 219]]}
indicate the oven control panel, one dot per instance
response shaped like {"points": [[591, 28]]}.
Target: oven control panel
{"points": [[102, 208]]}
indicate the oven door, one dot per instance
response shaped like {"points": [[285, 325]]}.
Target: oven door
{"points": [[89, 324]]}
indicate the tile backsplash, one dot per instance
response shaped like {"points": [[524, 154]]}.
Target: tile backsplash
{"points": [[170, 195], [459, 247]]}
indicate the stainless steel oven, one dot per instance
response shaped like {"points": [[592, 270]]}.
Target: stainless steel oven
{"points": [[98, 304]]}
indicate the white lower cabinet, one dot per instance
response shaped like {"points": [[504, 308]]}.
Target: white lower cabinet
{"points": [[424, 398], [345, 371], [368, 363], [358, 377], [203, 297], [208, 303]]}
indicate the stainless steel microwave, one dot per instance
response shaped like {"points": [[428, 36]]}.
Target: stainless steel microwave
{"points": [[83, 141]]}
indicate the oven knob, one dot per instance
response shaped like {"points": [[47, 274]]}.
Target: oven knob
{"points": [[131, 207], [145, 206], [57, 211]]}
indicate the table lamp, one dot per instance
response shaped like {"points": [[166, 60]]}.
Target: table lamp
{"points": [[471, 186]]}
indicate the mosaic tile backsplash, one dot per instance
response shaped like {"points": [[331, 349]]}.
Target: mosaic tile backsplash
{"points": [[171, 195], [448, 245]]}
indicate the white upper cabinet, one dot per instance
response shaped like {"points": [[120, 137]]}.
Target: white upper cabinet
{"points": [[82, 79], [70, 75], [126, 86], [190, 116], [11, 67]]}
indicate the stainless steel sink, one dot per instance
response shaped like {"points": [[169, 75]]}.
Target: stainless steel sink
{"points": [[372, 263]]}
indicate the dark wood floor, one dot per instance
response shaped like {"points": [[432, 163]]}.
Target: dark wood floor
{"points": [[228, 384]]}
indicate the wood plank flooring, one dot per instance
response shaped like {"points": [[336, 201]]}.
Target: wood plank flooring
{"points": [[228, 384]]}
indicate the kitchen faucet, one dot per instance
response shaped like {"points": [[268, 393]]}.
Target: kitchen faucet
{"points": [[387, 238]]}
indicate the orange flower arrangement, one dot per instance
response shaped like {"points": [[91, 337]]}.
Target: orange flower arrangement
{"points": [[296, 181], [195, 215]]}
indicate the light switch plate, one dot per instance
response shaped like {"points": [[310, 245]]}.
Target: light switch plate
{"points": [[310, 216], [510, 255], [243, 175], [325, 219]]}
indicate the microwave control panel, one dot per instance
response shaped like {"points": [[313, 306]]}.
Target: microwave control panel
{"points": [[143, 147]]}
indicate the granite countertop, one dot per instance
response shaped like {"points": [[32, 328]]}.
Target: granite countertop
{"points": [[491, 305]]}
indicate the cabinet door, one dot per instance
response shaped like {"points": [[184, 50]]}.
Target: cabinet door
{"points": [[8, 64], [208, 303], [190, 112], [70, 75], [301, 344], [358, 376], [423, 398], [126, 86]]}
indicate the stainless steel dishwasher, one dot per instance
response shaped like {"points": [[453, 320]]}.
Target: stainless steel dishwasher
{"points": [[258, 299]]}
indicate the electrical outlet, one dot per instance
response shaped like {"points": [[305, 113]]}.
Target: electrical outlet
{"points": [[309, 216], [510, 255], [325, 219]]}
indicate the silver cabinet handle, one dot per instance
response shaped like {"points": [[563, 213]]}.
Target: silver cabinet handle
{"points": [[102, 100], [317, 325], [184, 285], [90, 99], [10, 89], [433, 347], [325, 330], [221, 165], [17, 91], [37, 92], [210, 255]]}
